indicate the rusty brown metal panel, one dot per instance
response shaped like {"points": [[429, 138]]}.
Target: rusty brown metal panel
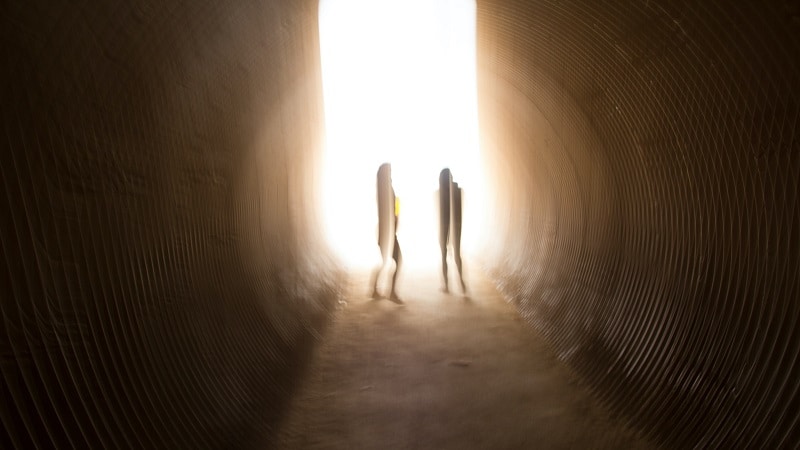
{"points": [[664, 243], [162, 273]]}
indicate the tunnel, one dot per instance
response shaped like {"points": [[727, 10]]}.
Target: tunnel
{"points": [[165, 274]]}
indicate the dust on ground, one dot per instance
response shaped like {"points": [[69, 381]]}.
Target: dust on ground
{"points": [[442, 371]]}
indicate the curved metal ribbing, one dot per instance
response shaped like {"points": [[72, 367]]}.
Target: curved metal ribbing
{"points": [[655, 232], [161, 274], [161, 265]]}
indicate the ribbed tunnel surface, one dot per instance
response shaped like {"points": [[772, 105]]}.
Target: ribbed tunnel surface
{"points": [[163, 275]]}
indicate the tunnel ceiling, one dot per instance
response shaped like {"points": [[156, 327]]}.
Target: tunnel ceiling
{"points": [[163, 269], [652, 153]]}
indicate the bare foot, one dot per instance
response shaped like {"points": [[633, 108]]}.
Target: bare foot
{"points": [[395, 298]]}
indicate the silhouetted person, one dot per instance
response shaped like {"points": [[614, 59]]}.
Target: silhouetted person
{"points": [[450, 224], [388, 212]]}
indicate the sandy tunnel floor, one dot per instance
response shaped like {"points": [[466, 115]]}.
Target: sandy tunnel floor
{"points": [[442, 371]]}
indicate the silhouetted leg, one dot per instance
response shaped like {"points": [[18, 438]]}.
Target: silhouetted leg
{"points": [[398, 261], [374, 280], [457, 234], [445, 180], [444, 232], [386, 206], [444, 267], [457, 253]]}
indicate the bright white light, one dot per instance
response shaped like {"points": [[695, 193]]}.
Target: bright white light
{"points": [[400, 87]]}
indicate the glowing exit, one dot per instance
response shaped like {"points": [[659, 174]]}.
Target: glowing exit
{"points": [[400, 87]]}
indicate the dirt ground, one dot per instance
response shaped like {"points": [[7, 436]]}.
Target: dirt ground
{"points": [[441, 371]]}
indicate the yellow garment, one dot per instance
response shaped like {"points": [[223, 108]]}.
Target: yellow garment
{"points": [[396, 206]]}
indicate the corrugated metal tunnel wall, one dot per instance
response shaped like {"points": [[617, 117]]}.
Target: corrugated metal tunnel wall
{"points": [[163, 270], [161, 273], [653, 231]]}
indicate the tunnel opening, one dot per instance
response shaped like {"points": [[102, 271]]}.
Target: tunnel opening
{"points": [[399, 86]]}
